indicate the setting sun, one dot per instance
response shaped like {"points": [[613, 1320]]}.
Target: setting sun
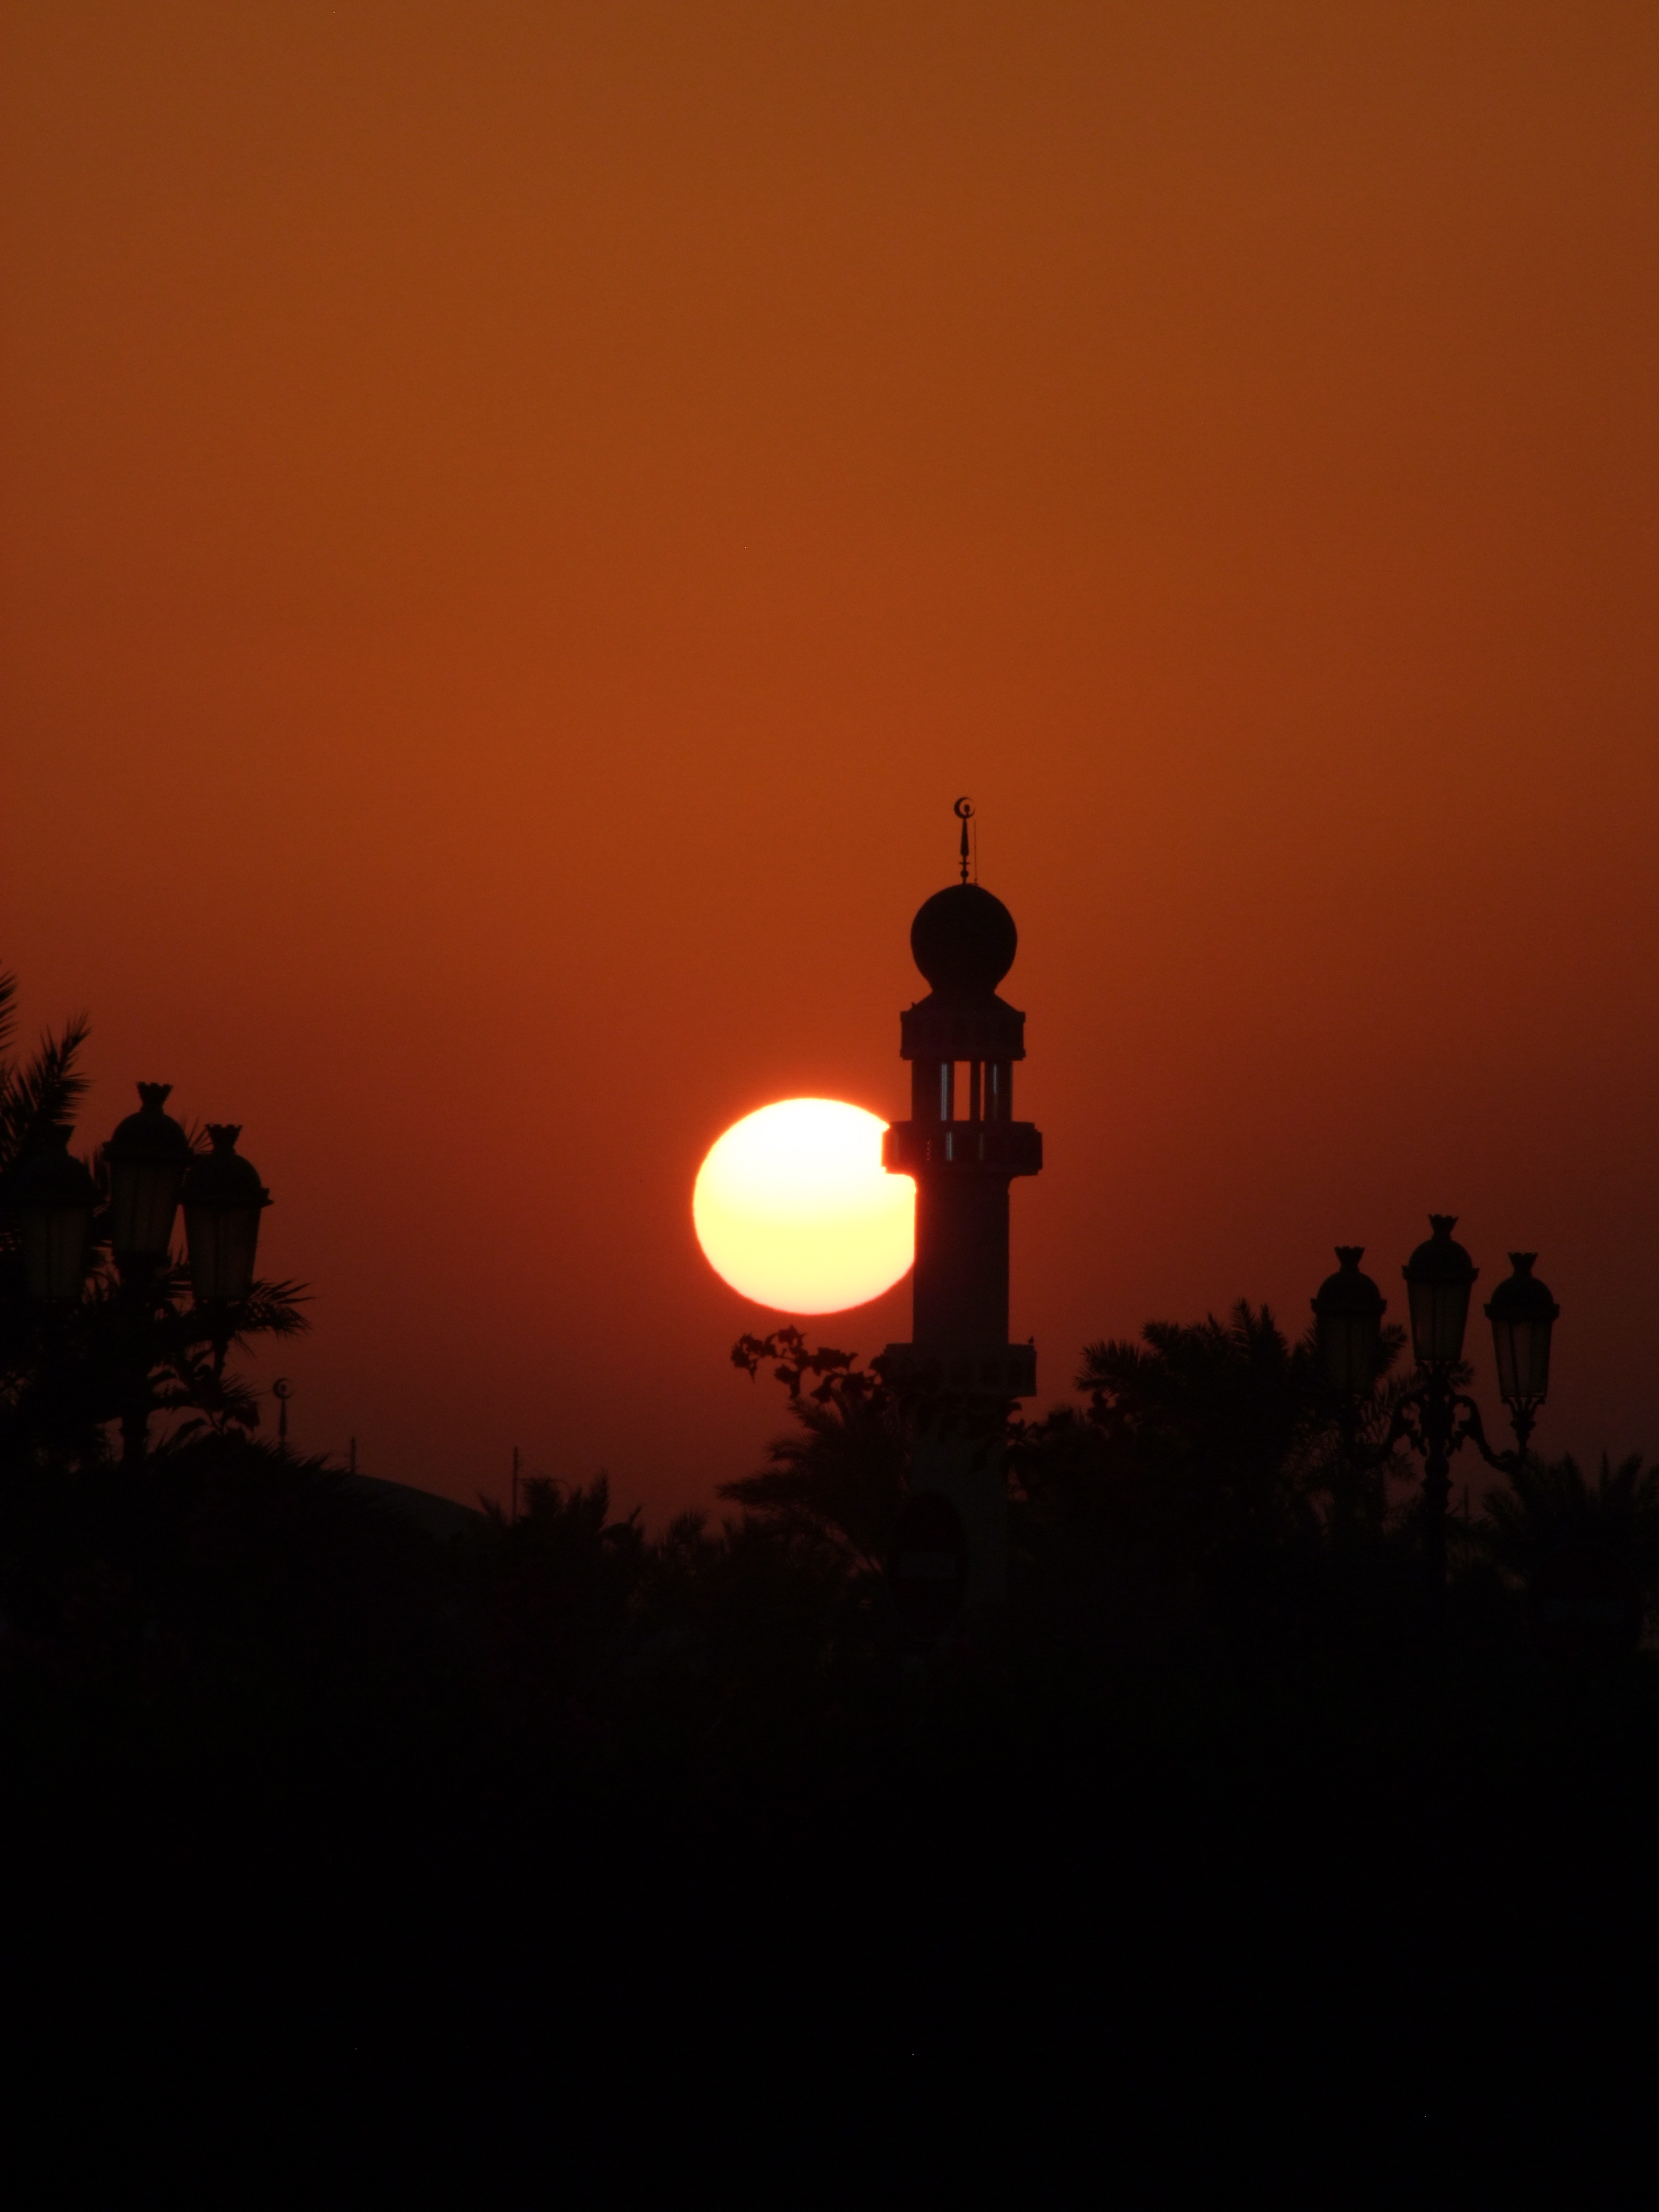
{"points": [[793, 1208]]}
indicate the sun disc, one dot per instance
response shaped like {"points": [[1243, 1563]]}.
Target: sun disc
{"points": [[793, 1208]]}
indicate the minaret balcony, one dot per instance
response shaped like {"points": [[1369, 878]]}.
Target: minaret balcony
{"points": [[1004, 1148]]}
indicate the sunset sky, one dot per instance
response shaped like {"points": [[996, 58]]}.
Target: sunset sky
{"points": [[518, 521]]}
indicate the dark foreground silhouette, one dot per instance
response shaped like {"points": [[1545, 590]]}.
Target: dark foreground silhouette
{"points": [[580, 1855], [344, 1849]]}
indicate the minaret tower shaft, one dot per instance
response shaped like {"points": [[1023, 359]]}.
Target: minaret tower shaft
{"points": [[963, 1147]]}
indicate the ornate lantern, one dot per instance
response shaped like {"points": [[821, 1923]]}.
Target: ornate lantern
{"points": [[1523, 1313], [146, 1157], [1439, 1276], [53, 1198], [223, 1201], [1348, 1324]]}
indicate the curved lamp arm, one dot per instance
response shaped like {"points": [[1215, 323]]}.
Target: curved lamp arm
{"points": [[1464, 1426], [1469, 1429]]}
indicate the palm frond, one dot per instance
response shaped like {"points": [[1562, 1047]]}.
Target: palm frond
{"points": [[1550, 1504], [269, 1309], [211, 1401], [273, 1310], [44, 1090]]}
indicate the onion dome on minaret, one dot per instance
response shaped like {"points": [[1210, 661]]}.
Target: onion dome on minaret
{"points": [[964, 939]]}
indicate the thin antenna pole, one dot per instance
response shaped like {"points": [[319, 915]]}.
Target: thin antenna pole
{"points": [[963, 810], [515, 1482]]}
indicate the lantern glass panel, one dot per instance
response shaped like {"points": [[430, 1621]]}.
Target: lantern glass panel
{"points": [[1523, 1350], [224, 1241], [57, 1240], [143, 1201], [1440, 1313], [1348, 1347]]}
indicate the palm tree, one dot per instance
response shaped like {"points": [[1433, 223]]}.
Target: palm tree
{"points": [[1229, 1414], [1549, 1506], [41, 1091], [841, 1470], [1244, 1425], [36, 1096], [189, 1376]]}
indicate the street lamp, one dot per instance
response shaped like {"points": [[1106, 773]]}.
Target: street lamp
{"points": [[53, 1198], [1523, 1313], [151, 1164], [1439, 1276], [146, 1157], [1348, 1324], [1434, 1417], [223, 1201]]}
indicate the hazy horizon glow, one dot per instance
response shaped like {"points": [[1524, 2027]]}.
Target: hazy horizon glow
{"points": [[519, 521], [793, 1208]]}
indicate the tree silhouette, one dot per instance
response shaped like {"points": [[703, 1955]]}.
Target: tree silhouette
{"points": [[841, 1470], [1550, 1504], [1232, 1419], [37, 1093]]}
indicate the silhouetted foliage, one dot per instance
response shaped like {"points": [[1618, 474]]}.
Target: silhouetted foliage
{"points": [[1237, 1425], [840, 1472], [37, 1093], [578, 1825], [1225, 1419], [1214, 1487], [1550, 1504]]}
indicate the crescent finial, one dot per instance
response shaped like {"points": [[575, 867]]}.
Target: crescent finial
{"points": [[963, 810]]}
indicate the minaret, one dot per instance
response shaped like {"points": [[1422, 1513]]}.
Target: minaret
{"points": [[963, 1147]]}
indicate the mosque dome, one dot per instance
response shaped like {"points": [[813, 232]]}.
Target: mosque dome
{"points": [[964, 939]]}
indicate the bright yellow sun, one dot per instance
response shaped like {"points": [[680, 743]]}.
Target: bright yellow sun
{"points": [[793, 1207]]}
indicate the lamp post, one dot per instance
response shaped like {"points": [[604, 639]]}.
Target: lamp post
{"points": [[1523, 1313], [151, 1165], [1437, 1419]]}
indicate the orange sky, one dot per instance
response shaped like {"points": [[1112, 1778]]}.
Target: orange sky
{"points": [[520, 519]]}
